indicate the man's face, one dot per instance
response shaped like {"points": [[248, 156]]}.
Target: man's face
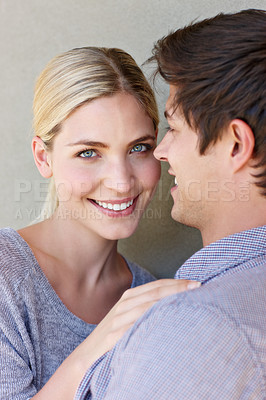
{"points": [[197, 177]]}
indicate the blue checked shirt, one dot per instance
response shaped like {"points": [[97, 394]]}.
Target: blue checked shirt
{"points": [[208, 343]]}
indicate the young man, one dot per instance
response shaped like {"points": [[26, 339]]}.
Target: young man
{"points": [[209, 343]]}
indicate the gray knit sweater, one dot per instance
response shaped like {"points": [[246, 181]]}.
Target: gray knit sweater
{"points": [[37, 331]]}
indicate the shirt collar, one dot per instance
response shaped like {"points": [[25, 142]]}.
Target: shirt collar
{"points": [[224, 254]]}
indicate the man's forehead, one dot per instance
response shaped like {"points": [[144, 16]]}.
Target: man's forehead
{"points": [[172, 90], [170, 108]]}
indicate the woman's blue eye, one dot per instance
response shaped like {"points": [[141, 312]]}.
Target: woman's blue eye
{"points": [[87, 154], [138, 148]]}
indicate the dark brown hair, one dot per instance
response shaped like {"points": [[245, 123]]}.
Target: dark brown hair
{"points": [[218, 66]]}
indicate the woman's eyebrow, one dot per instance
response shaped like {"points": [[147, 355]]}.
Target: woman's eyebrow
{"points": [[89, 143], [142, 139], [92, 143]]}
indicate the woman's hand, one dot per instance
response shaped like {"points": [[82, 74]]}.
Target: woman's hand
{"points": [[131, 306]]}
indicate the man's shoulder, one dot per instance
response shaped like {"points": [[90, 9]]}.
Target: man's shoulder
{"points": [[192, 345], [206, 342], [234, 302], [238, 295]]}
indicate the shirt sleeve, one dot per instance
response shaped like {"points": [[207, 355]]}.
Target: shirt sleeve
{"points": [[181, 351], [16, 367]]}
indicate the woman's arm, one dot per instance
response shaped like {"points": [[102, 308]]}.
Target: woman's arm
{"points": [[134, 302]]}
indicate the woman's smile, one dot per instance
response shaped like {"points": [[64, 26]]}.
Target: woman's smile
{"points": [[117, 208]]}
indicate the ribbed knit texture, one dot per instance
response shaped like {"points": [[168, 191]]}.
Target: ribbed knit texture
{"points": [[37, 331]]}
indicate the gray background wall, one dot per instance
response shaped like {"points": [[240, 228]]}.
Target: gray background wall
{"points": [[32, 32]]}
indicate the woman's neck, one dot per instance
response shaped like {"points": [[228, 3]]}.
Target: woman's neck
{"points": [[74, 248], [84, 269]]}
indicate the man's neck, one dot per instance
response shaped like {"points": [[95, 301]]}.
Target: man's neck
{"points": [[239, 218]]}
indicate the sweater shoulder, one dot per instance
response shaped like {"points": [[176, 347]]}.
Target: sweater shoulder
{"points": [[16, 258], [140, 275]]}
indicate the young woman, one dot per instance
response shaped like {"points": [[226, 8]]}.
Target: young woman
{"points": [[95, 121]]}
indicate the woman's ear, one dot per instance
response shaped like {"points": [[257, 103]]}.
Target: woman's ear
{"points": [[41, 157], [242, 143]]}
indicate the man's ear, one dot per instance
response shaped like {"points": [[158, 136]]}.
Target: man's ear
{"points": [[242, 143], [41, 157]]}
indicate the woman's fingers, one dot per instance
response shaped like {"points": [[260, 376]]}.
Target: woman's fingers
{"points": [[154, 291], [153, 285], [135, 303]]}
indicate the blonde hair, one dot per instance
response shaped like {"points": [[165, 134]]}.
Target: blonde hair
{"points": [[79, 76]]}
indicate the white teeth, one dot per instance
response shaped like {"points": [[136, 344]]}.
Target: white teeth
{"points": [[115, 207], [176, 181], [123, 206]]}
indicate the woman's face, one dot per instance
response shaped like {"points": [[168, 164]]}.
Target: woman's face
{"points": [[103, 165]]}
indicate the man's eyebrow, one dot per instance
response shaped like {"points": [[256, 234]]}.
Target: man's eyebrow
{"points": [[89, 143], [167, 115]]}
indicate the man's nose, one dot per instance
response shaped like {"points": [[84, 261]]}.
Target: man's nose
{"points": [[161, 150]]}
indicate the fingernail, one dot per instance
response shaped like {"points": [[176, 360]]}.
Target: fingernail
{"points": [[193, 285]]}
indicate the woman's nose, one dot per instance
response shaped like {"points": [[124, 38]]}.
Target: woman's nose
{"points": [[119, 178]]}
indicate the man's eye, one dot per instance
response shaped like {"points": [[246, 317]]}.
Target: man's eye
{"points": [[87, 154], [168, 129], [139, 148]]}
